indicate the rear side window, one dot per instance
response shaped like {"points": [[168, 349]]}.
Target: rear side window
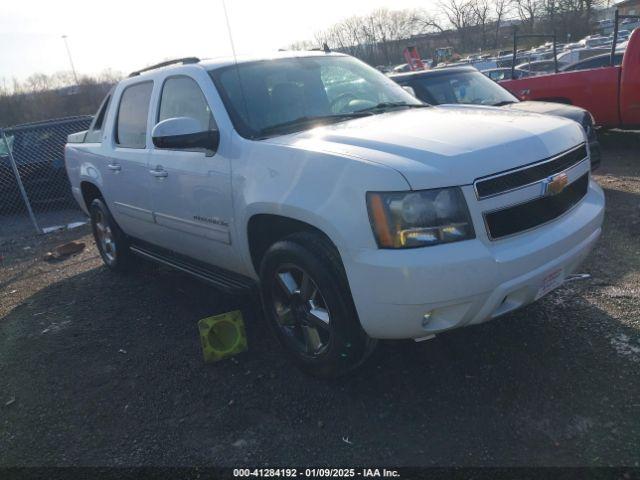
{"points": [[131, 126], [182, 97]]}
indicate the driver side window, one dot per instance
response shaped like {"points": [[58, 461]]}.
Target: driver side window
{"points": [[182, 97]]}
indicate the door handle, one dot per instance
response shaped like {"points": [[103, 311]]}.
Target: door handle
{"points": [[159, 172], [114, 167]]}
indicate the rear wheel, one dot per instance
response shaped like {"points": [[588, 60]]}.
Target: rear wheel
{"points": [[112, 243], [308, 304]]}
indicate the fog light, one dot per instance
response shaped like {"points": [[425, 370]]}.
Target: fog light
{"points": [[427, 318]]}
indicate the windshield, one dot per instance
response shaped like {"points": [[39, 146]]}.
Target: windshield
{"points": [[292, 92], [461, 87]]}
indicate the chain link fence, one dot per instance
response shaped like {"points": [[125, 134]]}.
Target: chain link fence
{"points": [[35, 194]]}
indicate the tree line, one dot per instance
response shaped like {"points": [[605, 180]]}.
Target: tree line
{"points": [[469, 26], [41, 97]]}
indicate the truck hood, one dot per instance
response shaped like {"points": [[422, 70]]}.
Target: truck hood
{"points": [[443, 146], [549, 108]]}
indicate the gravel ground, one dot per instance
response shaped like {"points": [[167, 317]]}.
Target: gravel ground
{"points": [[19, 224], [101, 369]]}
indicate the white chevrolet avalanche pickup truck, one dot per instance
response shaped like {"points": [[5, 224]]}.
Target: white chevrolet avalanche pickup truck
{"points": [[360, 212]]}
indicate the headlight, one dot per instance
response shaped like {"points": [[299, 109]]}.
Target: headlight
{"points": [[419, 219]]}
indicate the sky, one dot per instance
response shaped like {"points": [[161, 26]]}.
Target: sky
{"points": [[124, 35]]}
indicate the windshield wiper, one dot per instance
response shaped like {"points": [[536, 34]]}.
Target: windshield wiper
{"points": [[388, 105], [502, 103], [291, 125]]}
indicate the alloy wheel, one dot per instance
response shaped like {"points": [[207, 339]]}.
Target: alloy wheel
{"points": [[104, 235], [301, 311]]}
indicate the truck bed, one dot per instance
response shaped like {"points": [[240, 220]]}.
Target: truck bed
{"points": [[595, 90]]}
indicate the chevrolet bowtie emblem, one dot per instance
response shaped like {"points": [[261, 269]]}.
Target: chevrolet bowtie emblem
{"points": [[554, 184]]}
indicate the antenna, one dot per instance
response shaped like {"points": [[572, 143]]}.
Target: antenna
{"points": [[235, 60], [326, 48]]}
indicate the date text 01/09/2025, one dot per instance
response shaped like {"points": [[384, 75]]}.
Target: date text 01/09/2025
{"points": [[315, 472]]}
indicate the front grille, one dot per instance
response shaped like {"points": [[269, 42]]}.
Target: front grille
{"points": [[519, 218], [524, 176]]}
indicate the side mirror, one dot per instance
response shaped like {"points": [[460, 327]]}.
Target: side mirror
{"points": [[181, 133], [409, 90]]}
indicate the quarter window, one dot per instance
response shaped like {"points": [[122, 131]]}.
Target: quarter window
{"points": [[182, 97], [95, 131], [131, 127]]}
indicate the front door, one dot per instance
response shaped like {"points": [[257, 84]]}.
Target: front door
{"points": [[191, 189]]}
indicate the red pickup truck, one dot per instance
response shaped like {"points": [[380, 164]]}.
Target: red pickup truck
{"points": [[611, 94]]}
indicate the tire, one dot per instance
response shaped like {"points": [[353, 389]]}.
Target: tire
{"points": [[111, 241], [308, 304]]}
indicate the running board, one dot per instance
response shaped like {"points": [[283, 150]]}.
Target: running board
{"points": [[227, 281]]}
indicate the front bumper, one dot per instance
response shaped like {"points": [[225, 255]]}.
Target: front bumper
{"points": [[468, 282]]}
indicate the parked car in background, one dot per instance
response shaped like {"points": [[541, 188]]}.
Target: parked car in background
{"points": [[497, 74], [546, 55], [630, 24], [604, 26], [594, 62], [4, 148], [538, 67], [383, 68], [361, 216], [504, 61], [623, 36], [403, 67], [467, 86], [9, 193], [611, 94], [484, 64], [573, 46], [578, 54], [597, 41], [38, 151]]}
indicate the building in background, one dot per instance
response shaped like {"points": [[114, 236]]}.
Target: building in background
{"points": [[629, 7]]}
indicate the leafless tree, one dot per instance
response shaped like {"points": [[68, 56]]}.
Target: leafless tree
{"points": [[482, 17], [303, 45], [41, 97], [528, 11], [501, 8], [461, 16], [377, 36], [588, 6], [381, 36]]}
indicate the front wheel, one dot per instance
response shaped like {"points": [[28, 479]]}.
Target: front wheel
{"points": [[308, 304]]}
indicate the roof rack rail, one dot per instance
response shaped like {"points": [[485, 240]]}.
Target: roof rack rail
{"points": [[184, 61]]}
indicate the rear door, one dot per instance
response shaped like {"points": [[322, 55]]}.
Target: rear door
{"points": [[191, 189], [125, 171]]}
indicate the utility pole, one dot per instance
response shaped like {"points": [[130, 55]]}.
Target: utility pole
{"points": [[73, 69]]}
